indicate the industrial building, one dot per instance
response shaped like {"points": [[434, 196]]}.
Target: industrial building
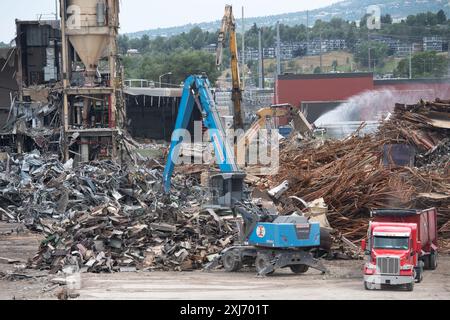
{"points": [[61, 85], [317, 94], [93, 105]]}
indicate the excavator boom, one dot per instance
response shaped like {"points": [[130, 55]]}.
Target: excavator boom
{"points": [[197, 91], [229, 27]]}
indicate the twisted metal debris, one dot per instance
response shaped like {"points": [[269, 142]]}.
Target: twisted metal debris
{"points": [[101, 217], [353, 179]]}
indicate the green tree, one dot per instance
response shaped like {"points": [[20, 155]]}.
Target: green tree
{"points": [[196, 38], [145, 43], [292, 65], [123, 43], [181, 63], [386, 19], [271, 68], [363, 21], [351, 37], [378, 52], [424, 64], [334, 65], [441, 17]]}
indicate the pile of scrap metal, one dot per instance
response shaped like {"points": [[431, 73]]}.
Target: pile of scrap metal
{"points": [[404, 165], [101, 217]]}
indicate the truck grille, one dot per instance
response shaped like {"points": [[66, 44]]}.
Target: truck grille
{"points": [[388, 265]]}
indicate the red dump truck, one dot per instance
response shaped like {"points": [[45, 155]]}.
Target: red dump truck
{"points": [[400, 245]]}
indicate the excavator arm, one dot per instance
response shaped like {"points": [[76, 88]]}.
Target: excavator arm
{"points": [[264, 115], [197, 91], [229, 27]]}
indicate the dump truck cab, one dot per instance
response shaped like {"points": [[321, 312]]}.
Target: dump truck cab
{"points": [[400, 244], [393, 251]]}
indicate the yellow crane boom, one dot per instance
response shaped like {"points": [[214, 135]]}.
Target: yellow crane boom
{"points": [[229, 27]]}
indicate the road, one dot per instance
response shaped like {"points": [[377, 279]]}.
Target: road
{"points": [[343, 282]]}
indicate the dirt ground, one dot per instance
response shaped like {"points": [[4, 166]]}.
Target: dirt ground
{"points": [[343, 282]]}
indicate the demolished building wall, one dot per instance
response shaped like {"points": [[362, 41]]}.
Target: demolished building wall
{"points": [[8, 83], [39, 50], [33, 110], [152, 112]]}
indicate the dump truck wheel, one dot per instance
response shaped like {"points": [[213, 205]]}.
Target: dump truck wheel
{"points": [[433, 261], [426, 261], [230, 263], [419, 275], [299, 268], [410, 286], [262, 261], [367, 285]]}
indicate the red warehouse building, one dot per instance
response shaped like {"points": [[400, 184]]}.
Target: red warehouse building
{"points": [[317, 94]]}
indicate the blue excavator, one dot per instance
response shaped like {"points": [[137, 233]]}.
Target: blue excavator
{"points": [[266, 240]]}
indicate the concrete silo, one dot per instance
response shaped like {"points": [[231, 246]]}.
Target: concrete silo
{"points": [[91, 77]]}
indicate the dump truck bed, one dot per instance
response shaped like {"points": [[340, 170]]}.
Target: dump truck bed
{"points": [[426, 221]]}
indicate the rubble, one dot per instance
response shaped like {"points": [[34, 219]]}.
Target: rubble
{"points": [[102, 217], [353, 177]]}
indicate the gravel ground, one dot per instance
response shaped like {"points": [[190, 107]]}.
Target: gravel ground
{"points": [[343, 282]]}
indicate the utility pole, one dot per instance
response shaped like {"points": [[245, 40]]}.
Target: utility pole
{"points": [[243, 49], [410, 62], [261, 60], [56, 9], [278, 50], [448, 59], [307, 33], [278, 62], [368, 42], [321, 58], [307, 37]]}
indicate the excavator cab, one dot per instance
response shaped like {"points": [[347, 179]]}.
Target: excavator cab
{"points": [[226, 190]]}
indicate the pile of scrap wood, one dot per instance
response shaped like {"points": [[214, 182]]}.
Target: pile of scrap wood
{"points": [[425, 126], [102, 217], [353, 177]]}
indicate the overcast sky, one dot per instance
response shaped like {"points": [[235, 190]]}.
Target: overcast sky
{"points": [[138, 15]]}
